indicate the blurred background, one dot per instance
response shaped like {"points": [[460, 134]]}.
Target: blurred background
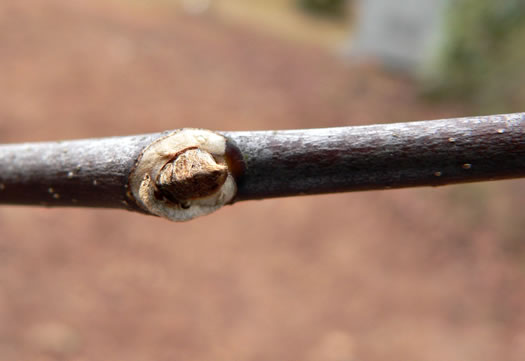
{"points": [[415, 274]]}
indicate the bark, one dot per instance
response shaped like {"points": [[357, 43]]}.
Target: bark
{"points": [[95, 172]]}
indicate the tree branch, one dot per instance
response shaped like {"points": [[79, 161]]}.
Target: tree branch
{"points": [[98, 172]]}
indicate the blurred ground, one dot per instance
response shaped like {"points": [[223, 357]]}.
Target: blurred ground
{"points": [[278, 17], [420, 274]]}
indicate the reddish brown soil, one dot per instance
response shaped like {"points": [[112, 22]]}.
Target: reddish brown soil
{"points": [[421, 274]]}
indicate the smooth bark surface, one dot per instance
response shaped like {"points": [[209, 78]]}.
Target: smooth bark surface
{"points": [[94, 172], [86, 173], [427, 153]]}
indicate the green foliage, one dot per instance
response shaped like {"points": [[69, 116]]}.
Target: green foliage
{"points": [[327, 8], [483, 54]]}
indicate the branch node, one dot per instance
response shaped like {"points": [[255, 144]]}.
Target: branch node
{"points": [[192, 174], [183, 175]]}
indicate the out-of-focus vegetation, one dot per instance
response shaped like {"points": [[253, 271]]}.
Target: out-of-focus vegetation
{"points": [[483, 58], [328, 8]]}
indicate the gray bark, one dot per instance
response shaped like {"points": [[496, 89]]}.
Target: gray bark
{"points": [[94, 172]]}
